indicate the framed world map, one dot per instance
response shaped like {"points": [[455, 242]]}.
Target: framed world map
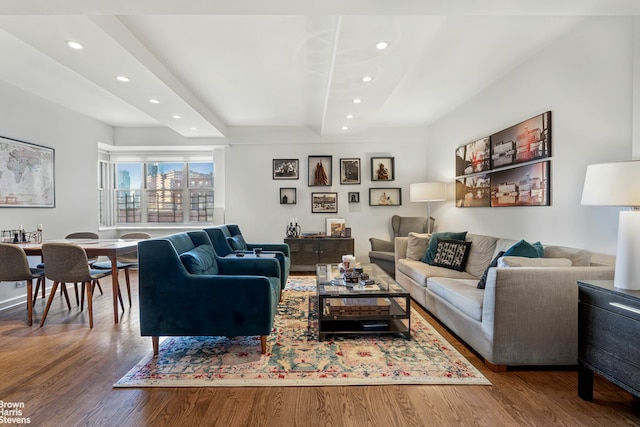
{"points": [[26, 175]]}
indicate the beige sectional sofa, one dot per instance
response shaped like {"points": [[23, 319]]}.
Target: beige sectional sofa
{"points": [[525, 315]]}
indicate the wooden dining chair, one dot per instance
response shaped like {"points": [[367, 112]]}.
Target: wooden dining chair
{"points": [[14, 265], [68, 263], [125, 262]]}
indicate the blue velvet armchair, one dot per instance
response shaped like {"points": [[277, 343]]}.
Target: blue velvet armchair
{"points": [[186, 289], [227, 239]]}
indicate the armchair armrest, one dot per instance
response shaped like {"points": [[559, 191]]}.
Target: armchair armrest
{"points": [[379, 245], [269, 267], [275, 247]]}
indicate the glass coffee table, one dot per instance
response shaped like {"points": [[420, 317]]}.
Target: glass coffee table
{"points": [[351, 308]]}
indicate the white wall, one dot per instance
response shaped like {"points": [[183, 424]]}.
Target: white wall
{"points": [[585, 80], [253, 197]]}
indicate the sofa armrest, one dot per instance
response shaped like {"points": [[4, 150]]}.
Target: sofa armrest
{"points": [[530, 313], [379, 245], [400, 245]]}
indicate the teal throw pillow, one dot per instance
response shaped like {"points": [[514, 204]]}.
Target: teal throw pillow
{"points": [[494, 263], [433, 243], [237, 243], [200, 260], [526, 249]]}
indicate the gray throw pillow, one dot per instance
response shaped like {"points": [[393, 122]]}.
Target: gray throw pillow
{"points": [[417, 245]]}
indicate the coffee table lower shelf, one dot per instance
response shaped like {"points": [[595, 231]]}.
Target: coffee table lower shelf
{"points": [[357, 327]]}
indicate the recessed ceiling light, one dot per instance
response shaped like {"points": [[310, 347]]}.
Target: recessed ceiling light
{"points": [[367, 79], [123, 79], [381, 45], [345, 128], [357, 100], [349, 116], [154, 101], [177, 116], [75, 45]]}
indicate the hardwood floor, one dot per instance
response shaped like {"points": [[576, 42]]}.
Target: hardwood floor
{"points": [[64, 373]]}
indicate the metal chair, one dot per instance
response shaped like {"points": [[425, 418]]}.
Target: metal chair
{"points": [[14, 265], [125, 262], [68, 263]]}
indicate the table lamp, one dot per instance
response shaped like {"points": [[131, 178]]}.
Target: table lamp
{"points": [[617, 184], [428, 192]]}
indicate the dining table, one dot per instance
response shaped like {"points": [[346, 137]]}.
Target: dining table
{"points": [[111, 248]]}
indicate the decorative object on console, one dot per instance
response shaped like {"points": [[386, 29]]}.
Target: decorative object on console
{"points": [[287, 196], [319, 171], [428, 192], [324, 202], [335, 227], [286, 169], [385, 196], [615, 184], [350, 171], [382, 169], [293, 229]]}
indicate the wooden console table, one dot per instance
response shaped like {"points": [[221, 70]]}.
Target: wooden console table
{"points": [[608, 331], [307, 252]]}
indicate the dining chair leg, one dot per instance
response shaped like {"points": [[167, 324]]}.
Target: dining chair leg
{"points": [[30, 301], [90, 302], [99, 287], [39, 282], [49, 301], [63, 290], [120, 297], [126, 277], [75, 289]]}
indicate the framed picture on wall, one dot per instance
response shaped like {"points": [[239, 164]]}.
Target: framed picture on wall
{"points": [[349, 171], [521, 143], [324, 202], [287, 196], [382, 169], [473, 191], [473, 157], [526, 185], [320, 171], [286, 169], [354, 197], [385, 196]]}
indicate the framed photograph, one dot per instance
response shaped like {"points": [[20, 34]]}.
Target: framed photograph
{"points": [[526, 185], [385, 196], [474, 157], [382, 169], [287, 196], [335, 227], [286, 169], [28, 175], [349, 171], [473, 191], [324, 202], [320, 169], [354, 197], [524, 142]]}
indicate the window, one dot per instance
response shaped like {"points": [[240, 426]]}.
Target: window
{"points": [[160, 192]]}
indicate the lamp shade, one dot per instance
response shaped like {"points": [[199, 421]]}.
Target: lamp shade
{"points": [[612, 184], [428, 192]]}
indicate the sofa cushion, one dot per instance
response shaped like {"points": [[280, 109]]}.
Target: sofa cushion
{"points": [[420, 272], [433, 243], [462, 294], [237, 243], [525, 249], [417, 244], [578, 257], [494, 263], [517, 261], [200, 260], [451, 254], [481, 253]]}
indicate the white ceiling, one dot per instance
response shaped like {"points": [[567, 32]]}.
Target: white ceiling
{"points": [[283, 63]]}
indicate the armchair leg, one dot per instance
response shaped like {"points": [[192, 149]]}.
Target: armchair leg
{"points": [[263, 344], [155, 341]]}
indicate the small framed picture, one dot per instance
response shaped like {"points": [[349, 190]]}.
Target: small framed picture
{"points": [[385, 196], [320, 169], [382, 169], [286, 169], [354, 197], [349, 171], [324, 202], [287, 196], [335, 227]]}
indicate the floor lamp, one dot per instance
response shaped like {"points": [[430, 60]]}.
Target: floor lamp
{"points": [[616, 184], [428, 192]]}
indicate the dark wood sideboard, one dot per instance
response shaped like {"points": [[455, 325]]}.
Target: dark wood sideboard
{"points": [[307, 252], [608, 336]]}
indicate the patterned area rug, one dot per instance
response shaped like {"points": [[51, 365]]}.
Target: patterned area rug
{"points": [[295, 357]]}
